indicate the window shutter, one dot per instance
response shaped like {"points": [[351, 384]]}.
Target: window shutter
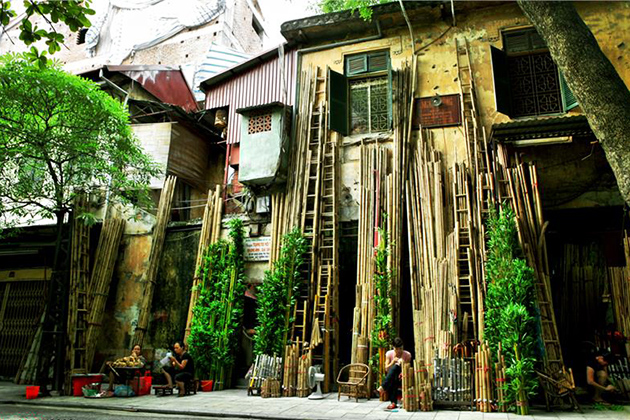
{"points": [[390, 94], [501, 80], [356, 64], [378, 61], [516, 42], [568, 99], [338, 102]]}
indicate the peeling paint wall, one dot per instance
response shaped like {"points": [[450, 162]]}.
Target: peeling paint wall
{"points": [[437, 71]]}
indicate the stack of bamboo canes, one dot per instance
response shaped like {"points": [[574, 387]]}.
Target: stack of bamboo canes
{"points": [[499, 372], [210, 231], [289, 381], [270, 388], [265, 367], [163, 217], [620, 288], [452, 381], [304, 364], [104, 263], [409, 388], [431, 253], [483, 384]]}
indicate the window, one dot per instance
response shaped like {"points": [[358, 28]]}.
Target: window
{"points": [[360, 100], [527, 82], [257, 27]]}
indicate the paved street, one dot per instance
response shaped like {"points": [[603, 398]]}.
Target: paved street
{"points": [[235, 403]]}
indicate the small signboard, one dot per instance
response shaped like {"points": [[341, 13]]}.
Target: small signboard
{"points": [[436, 111], [258, 249]]}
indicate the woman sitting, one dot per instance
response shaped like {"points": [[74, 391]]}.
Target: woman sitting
{"points": [[135, 359], [182, 368]]}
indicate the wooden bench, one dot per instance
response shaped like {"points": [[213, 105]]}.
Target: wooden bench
{"points": [[353, 381]]}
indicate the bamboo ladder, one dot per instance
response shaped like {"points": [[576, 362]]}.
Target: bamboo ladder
{"points": [[78, 307]]}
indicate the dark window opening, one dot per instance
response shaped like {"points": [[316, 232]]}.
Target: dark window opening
{"points": [[257, 27], [81, 36], [527, 81]]}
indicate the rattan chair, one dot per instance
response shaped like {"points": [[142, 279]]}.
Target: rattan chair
{"points": [[353, 381]]}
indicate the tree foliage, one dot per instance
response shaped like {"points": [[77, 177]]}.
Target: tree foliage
{"points": [[511, 307], [61, 135], [277, 296], [363, 6], [73, 13], [218, 313]]}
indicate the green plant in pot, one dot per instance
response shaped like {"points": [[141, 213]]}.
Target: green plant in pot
{"points": [[218, 313], [277, 296], [511, 308]]}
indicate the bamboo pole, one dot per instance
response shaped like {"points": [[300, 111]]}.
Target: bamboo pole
{"points": [[163, 217]]}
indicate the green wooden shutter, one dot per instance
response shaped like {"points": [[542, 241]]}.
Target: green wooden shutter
{"points": [[390, 93], [338, 102], [356, 64], [501, 78], [378, 61], [568, 99]]}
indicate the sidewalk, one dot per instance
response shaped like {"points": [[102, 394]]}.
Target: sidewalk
{"points": [[236, 403]]}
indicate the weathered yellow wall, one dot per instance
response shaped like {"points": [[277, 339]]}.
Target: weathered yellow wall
{"points": [[437, 68]]}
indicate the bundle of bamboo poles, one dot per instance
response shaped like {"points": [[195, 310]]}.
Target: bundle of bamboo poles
{"points": [[409, 388], [432, 254], [289, 381], [620, 290], [270, 388], [499, 374], [452, 380], [265, 367], [304, 364], [157, 244], [210, 231], [483, 384], [104, 264]]}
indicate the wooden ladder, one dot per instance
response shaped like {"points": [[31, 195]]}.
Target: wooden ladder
{"points": [[466, 284], [78, 298]]}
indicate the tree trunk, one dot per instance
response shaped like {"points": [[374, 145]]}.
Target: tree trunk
{"points": [[599, 89]]}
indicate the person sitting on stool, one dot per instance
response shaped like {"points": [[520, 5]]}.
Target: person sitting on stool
{"points": [[597, 376], [393, 361], [182, 368]]}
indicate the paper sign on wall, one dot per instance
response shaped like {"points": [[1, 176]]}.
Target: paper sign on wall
{"points": [[258, 249]]}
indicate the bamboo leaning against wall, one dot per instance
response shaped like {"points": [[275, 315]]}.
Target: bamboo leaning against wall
{"points": [[157, 244], [104, 264], [210, 232]]}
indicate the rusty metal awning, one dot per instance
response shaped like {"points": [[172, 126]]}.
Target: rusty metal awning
{"points": [[538, 128]]}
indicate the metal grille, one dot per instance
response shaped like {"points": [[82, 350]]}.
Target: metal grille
{"points": [[21, 308], [369, 105], [534, 85], [259, 122]]}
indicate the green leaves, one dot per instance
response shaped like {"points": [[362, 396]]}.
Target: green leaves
{"points": [[218, 313], [363, 6], [510, 307], [277, 296], [73, 13], [61, 135]]}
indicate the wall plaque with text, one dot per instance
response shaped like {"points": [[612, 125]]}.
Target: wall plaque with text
{"points": [[437, 111]]}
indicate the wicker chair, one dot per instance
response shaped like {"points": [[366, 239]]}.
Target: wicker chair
{"points": [[353, 381], [558, 389]]}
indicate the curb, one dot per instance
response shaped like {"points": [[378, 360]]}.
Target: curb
{"points": [[179, 413]]}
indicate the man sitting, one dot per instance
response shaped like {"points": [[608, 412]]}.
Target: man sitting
{"points": [[597, 376], [393, 361], [182, 368]]}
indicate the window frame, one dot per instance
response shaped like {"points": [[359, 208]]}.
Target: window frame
{"points": [[501, 77], [339, 93]]}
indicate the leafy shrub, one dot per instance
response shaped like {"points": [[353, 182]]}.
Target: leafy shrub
{"points": [[277, 296]]}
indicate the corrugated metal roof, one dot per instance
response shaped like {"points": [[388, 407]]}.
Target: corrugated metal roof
{"points": [[259, 84]]}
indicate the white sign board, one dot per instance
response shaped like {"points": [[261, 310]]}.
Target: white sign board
{"points": [[258, 249]]}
